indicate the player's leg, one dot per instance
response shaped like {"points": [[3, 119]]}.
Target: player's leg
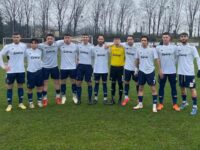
{"points": [[113, 79], [162, 83], [20, 81], [172, 81], [88, 79], [39, 85], [141, 82], [120, 84], [127, 78], [96, 87], [105, 90], [46, 73], [73, 75], [9, 82], [182, 84], [194, 99], [55, 75], [80, 75], [30, 86], [63, 77], [152, 83]]}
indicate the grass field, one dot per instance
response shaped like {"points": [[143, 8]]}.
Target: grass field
{"points": [[70, 127]]}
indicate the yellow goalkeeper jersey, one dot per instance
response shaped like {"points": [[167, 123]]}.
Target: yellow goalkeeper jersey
{"points": [[117, 54]]}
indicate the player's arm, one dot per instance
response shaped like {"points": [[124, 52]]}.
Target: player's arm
{"points": [[4, 52], [196, 56], [137, 62], [158, 62]]}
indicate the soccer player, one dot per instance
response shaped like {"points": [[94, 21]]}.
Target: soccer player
{"points": [[69, 60], [167, 56], [186, 56], [34, 73], [131, 70], [100, 68], [117, 53], [85, 69], [50, 67], [145, 57], [15, 69]]}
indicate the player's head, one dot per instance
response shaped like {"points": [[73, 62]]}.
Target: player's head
{"points": [[117, 40], [16, 37], [166, 38], [67, 38], [184, 37], [85, 38], [50, 38], [144, 41], [100, 40], [34, 43], [130, 40]]}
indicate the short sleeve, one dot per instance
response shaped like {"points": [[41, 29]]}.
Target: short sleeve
{"points": [[195, 53], [155, 54]]}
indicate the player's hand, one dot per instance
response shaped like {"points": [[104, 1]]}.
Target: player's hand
{"points": [[198, 74], [161, 74], [7, 68], [106, 46], [136, 72]]}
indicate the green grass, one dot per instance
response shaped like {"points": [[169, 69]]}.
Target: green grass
{"points": [[99, 127]]}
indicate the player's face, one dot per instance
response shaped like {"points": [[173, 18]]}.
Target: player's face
{"points": [[100, 40], [166, 39], [50, 40], [144, 42], [16, 39], [184, 39], [85, 39], [130, 41], [67, 39], [34, 45], [117, 41]]}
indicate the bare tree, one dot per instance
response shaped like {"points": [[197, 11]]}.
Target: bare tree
{"points": [[192, 7]]}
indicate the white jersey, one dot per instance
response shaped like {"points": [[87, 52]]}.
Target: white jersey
{"points": [[69, 54], [85, 54], [146, 58], [186, 55], [16, 53], [34, 58], [100, 59], [49, 55], [130, 57], [167, 55]]}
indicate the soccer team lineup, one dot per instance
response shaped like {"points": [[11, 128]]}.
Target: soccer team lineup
{"points": [[118, 62]]}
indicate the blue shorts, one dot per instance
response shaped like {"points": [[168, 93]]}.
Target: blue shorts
{"points": [[34, 79], [11, 77], [187, 81], [99, 76], [84, 72], [64, 74], [53, 72], [128, 75], [149, 78]]}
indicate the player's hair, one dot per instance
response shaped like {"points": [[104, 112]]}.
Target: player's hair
{"points": [[50, 34], [144, 36], [34, 40], [167, 33], [130, 36], [16, 33], [85, 34], [67, 34], [100, 35], [117, 37], [184, 34]]}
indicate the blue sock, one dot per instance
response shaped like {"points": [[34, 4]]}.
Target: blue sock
{"points": [[90, 92], [184, 98], [79, 91], [174, 99], [105, 90], [126, 89], [140, 99], [30, 97], [63, 89], [39, 96], [154, 97], [9, 96], [44, 93], [20, 94], [161, 99], [96, 89], [74, 88], [194, 99]]}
